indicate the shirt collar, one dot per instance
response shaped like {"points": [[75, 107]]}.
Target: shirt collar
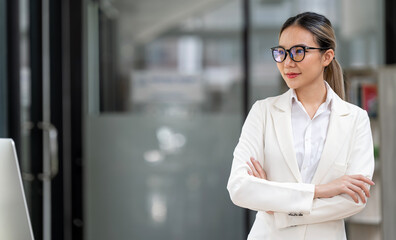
{"points": [[329, 95]]}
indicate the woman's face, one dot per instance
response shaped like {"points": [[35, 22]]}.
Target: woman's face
{"points": [[310, 70]]}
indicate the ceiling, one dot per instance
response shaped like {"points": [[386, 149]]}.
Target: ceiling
{"points": [[141, 21]]}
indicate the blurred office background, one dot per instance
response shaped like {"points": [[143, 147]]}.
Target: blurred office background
{"points": [[125, 113]]}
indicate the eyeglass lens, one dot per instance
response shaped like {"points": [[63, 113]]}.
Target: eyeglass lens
{"points": [[297, 54]]}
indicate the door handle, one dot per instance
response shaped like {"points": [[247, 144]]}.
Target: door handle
{"points": [[52, 132]]}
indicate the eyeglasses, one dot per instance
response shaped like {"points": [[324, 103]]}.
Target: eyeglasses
{"points": [[297, 53]]}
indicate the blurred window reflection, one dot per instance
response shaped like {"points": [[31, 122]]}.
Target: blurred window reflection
{"points": [[191, 63]]}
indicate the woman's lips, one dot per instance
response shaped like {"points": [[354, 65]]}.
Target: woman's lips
{"points": [[292, 75]]}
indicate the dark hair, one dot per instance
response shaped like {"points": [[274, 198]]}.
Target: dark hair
{"points": [[324, 35]]}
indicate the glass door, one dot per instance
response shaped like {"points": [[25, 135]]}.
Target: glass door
{"points": [[163, 113], [39, 135]]}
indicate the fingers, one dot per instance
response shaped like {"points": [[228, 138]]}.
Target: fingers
{"points": [[352, 194], [353, 185], [357, 184], [362, 178], [255, 169], [362, 186], [359, 191], [258, 167]]}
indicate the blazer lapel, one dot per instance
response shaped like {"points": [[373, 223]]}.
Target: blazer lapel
{"points": [[339, 128], [281, 116]]}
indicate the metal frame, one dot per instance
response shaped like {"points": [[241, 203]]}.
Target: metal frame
{"points": [[76, 22], [36, 109], [3, 70], [56, 119], [45, 21], [67, 228], [390, 32], [13, 71]]}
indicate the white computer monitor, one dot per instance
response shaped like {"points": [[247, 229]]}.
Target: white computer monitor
{"points": [[14, 216]]}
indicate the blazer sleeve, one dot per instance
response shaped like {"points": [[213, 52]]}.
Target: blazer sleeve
{"points": [[258, 194], [339, 207]]}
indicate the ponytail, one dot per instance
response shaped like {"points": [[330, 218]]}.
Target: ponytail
{"points": [[333, 76]]}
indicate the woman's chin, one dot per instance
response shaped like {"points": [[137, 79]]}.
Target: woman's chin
{"points": [[291, 84]]}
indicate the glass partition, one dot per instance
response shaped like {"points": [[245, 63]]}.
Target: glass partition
{"points": [[163, 115]]}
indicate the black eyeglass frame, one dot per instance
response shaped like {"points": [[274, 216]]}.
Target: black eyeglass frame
{"points": [[305, 48]]}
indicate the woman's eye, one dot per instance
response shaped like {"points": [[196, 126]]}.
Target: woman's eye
{"points": [[299, 51]]}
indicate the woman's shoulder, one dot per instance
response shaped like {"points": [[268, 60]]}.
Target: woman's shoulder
{"points": [[353, 107], [355, 110], [265, 102]]}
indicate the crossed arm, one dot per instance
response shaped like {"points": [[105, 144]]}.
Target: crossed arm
{"points": [[332, 201], [335, 200], [352, 185]]}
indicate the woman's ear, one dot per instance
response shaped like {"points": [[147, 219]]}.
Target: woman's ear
{"points": [[328, 56]]}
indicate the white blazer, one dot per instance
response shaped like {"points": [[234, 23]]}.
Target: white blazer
{"points": [[267, 136]]}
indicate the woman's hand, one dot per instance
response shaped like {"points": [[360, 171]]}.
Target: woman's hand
{"points": [[353, 185], [257, 171]]}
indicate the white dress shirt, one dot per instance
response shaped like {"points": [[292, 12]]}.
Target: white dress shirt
{"points": [[309, 135]]}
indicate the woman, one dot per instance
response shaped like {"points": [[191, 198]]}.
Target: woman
{"points": [[305, 158]]}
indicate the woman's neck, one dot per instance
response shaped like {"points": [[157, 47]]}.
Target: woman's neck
{"points": [[312, 95]]}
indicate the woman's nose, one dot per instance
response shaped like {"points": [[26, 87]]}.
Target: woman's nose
{"points": [[289, 61]]}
